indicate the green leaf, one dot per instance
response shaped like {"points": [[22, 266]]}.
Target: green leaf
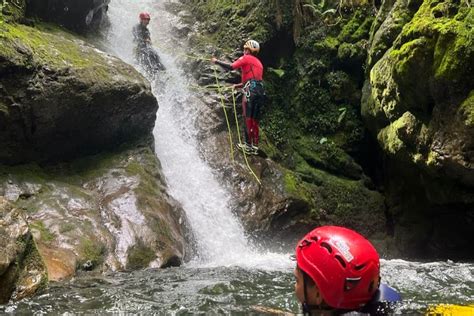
{"points": [[323, 140], [279, 72]]}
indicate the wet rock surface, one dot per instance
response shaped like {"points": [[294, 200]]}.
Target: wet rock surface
{"points": [[106, 212], [61, 98], [77, 158], [22, 271]]}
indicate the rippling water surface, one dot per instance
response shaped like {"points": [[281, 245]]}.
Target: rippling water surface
{"points": [[185, 290]]}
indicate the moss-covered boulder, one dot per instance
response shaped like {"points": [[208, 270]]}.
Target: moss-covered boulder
{"points": [[61, 98], [105, 212], [22, 271], [418, 102], [388, 24], [12, 11]]}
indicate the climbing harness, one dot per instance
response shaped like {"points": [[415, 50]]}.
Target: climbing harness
{"points": [[253, 86], [219, 90]]}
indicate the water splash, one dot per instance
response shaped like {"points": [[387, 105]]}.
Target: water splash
{"points": [[220, 237]]}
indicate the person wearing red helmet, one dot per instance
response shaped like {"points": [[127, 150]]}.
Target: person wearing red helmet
{"points": [[338, 271], [254, 94], [145, 54], [141, 34]]}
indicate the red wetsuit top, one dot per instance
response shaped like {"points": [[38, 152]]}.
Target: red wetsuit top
{"points": [[250, 66]]}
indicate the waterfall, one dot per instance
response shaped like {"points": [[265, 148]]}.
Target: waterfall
{"points": [[220, 238]]}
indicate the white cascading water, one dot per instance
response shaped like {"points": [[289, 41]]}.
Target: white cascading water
{"points": [[220, 238]]}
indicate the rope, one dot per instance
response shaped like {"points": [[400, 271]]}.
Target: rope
{"points": [[240, 139], [225, 113], [219, 90]]}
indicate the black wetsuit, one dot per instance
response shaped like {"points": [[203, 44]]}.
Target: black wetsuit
{"points": [[145, 54], [141, 35], [382, 304]]}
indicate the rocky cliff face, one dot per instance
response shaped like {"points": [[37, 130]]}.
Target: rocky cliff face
{"points": [[76, 161], [418, 103], [404, 167], [313, 138], [61, 98]]}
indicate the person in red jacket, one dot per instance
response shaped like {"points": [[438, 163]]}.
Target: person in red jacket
{"points": [[254, 94]]}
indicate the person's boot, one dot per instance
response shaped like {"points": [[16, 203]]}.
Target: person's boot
{"points": [[245, 148], [254, 150]]}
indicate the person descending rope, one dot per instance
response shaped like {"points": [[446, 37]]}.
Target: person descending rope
{"points": [[145, 54], [337, 272], [254, 94]]}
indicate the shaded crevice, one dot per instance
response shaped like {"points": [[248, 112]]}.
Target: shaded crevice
{"points": [[280, 46]]}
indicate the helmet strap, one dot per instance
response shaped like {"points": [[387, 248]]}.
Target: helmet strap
{"points": [[305, 306]]}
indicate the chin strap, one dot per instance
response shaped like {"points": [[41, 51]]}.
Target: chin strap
{"points": [[305, 307]]}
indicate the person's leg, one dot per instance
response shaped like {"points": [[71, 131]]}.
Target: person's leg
{"points": [[247, 125], [155, 61], [256, 109], [255, 132]]}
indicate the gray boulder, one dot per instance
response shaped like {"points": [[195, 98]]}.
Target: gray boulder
{"points": [[61, 98]]}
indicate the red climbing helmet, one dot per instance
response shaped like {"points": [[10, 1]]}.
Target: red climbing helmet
{"points": [[144, 16], [343, 264]]}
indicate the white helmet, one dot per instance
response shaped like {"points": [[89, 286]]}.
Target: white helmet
{"points": [[253, 46]]}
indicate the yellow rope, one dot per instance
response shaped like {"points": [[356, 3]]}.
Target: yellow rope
{"points": [[240, 139], [235, 116], [219, 90], [225, 113]]}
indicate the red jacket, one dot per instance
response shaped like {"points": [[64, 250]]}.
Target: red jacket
{"points": [[251, 67]]}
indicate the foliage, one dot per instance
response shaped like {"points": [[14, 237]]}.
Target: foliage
{"points": [[92, 251], [139, 256], [46, 235]]}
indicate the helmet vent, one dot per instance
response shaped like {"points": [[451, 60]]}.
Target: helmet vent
{"points": [[341, 261], [351, 283], [359, 267], [327, 246]]}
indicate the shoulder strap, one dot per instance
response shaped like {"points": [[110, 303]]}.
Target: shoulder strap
{"points": [[387, 294]]}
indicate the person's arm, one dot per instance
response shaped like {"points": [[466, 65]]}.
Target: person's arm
{"points": [[135, 34], [146, 36], [223, 64]]}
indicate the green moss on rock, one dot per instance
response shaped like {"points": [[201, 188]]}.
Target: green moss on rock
{"points": [[467, 110], [139, 256], [46, 236], [11, 11], [49, 45], [91, 252]]}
